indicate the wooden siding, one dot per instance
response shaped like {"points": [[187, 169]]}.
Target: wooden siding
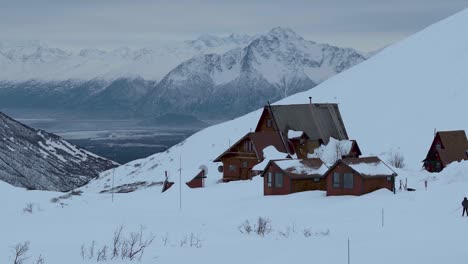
{"points": [[433, 157], [242, 167], [303, 185], [290, 185], [263, 122], [357, 180], [361, 185], [273, 190]]}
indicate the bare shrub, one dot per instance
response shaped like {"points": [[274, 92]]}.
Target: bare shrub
{"points": [[40, 260], [28, 209], [116, 242], [20, 251], [307, 232], [195, 241], [102, 254], [397, 160], [285, 233], [183, 241], [130, 248], [246, 227], [165, 239], [263, 226]]}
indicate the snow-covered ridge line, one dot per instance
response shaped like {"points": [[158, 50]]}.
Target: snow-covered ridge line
{"points": [[35, 60]]}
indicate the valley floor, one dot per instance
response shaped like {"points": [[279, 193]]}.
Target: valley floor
{"points": [[419, 227]]}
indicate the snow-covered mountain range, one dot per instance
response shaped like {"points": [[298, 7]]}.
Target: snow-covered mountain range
{"points": [[35, 159], [209, 76]]}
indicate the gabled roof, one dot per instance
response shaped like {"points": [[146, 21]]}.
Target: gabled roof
{"points": [[318, 121], [260, 140], [455, 146], [368, 167], [304, 168]]}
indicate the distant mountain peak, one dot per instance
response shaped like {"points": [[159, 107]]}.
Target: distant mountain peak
{"points": [[284, 33]]}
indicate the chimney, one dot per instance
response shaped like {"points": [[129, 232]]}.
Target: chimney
{"points": [[310, 99]]}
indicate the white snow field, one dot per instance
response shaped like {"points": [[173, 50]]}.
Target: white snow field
{"points": [[392, 102], [419, 227]]}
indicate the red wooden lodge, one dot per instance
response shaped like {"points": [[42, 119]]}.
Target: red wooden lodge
{"points": [[447, 147], [317, 122]]}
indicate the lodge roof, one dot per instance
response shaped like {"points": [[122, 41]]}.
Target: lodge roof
{"points": [[455, 146], [368, 167], [317, 121], [304, 168]]}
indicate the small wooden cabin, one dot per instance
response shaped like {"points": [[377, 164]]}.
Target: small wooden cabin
{"points": [[291, 175], [447, 147], [198, 181], [243, 155], [358, 176]]}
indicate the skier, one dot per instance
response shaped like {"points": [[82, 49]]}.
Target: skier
{"points": [[465, 207]]}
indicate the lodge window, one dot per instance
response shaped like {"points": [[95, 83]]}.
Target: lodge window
{"points": [[248, 146], [389, 178], [348, 181], [437, 165], [269, 123], [270, 179], [438, 146], [245, 164], [336, 180], [232, 167], [279, 180], [316, 179]]}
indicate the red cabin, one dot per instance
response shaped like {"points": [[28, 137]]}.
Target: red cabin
{"points": [[447, 147], [358, 176], [291, 175]]}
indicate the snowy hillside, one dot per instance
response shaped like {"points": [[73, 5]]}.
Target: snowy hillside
{"points": [[390, 103], [417, 227], [35, 159]]}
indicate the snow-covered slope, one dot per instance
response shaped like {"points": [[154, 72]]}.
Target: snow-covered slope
{"points": [[273, 66], [390, 103], [35, 159], [418, 227]]}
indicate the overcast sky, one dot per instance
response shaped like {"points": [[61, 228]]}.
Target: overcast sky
{"points": [[363, 24]]}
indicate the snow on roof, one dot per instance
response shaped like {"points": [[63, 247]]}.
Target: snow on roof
{"points": [[303, 166], [270, 153], [374, 168], [294, 133], [333, 151]]}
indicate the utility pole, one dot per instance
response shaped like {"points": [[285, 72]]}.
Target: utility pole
{"points": [[180, 182], [383, 217], [112, 190], [349, 253]]}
